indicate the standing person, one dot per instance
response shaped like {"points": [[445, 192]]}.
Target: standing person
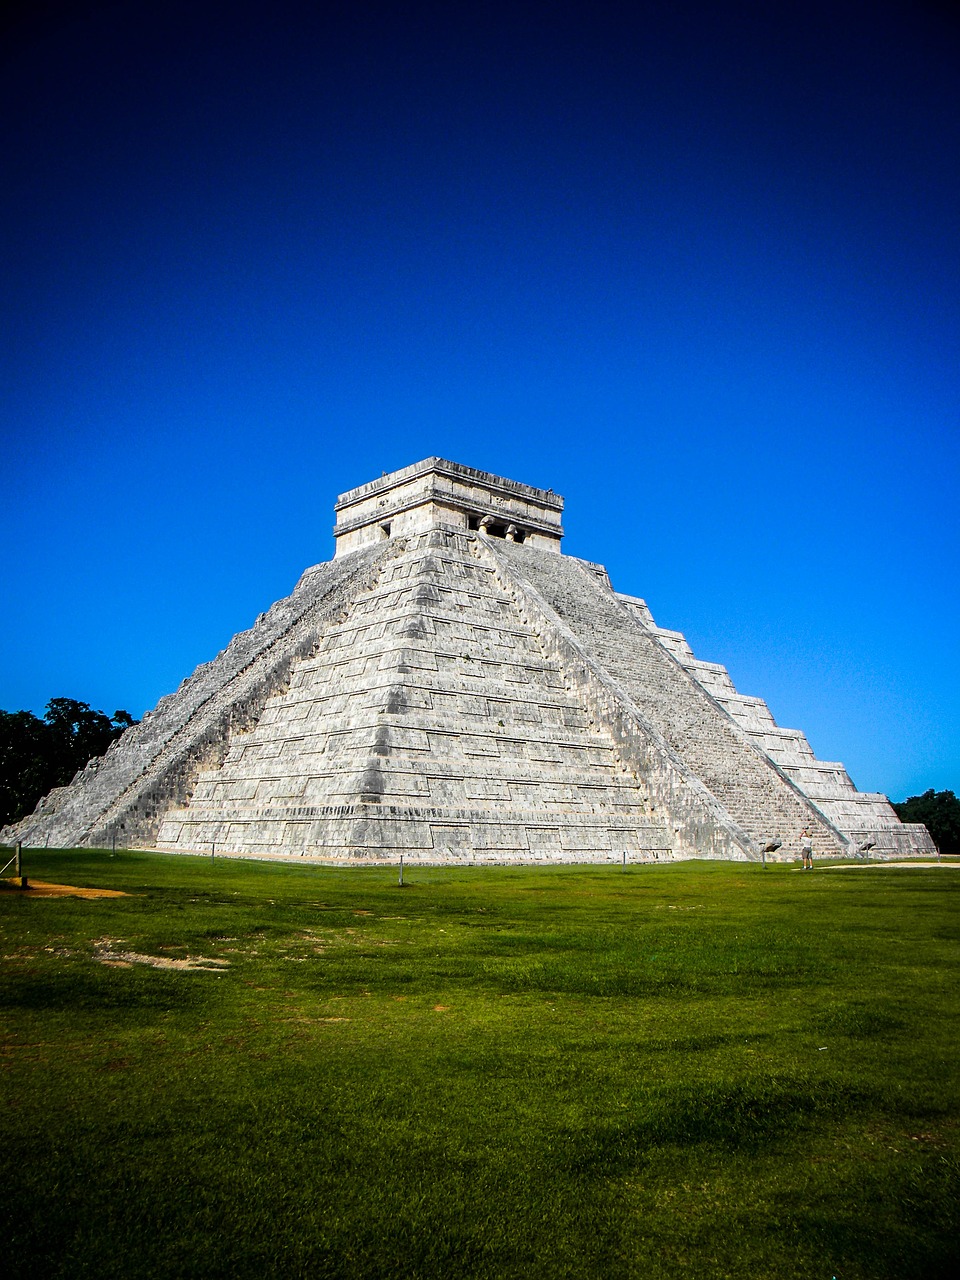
{"points": [[806, 848]]}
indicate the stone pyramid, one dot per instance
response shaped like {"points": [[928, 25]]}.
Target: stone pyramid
{"points": [[452, 688]]}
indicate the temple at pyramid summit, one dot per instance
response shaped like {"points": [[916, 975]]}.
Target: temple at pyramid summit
{"points": [[452, 688]]}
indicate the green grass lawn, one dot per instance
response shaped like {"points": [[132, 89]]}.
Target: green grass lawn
{"points": [[699, 1070]]}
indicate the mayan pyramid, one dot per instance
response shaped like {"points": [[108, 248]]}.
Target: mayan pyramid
{"points": [[451, 687]]}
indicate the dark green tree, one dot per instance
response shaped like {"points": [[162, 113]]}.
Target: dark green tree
{"points": [[37, 755], [27, 771], [939, 811]]}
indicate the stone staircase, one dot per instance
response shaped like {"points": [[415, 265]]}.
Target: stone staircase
{"points": [[758, 796], [428, 722], [866, 818]]}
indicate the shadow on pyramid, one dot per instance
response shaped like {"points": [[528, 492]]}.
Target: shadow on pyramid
{"points": [[452, 688]]}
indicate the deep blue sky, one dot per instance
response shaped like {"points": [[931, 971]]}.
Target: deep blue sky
{"points": [[694, 266]]}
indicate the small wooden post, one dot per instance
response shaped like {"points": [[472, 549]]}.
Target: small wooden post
{"points": [[400, 881], [624, 859], [19, 859], [213, 849]]}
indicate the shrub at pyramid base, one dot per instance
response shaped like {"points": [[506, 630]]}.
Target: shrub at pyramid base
{"points": [[452, 688]]}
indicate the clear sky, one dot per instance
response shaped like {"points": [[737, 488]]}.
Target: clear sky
{"points": [[694, 266]]}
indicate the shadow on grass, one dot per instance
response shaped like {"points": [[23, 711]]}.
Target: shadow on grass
{"points": [[857, 1021], [905, 1224], [736, 1116], [91, 989]]}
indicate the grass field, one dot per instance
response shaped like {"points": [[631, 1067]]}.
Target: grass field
{"points": [[699, 1070]]}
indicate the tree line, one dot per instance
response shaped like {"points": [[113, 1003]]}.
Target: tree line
{"points": [[39, 754], [939, 811]]}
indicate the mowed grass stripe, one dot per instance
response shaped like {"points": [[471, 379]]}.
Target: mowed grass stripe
{"points": [[699, 1070]]}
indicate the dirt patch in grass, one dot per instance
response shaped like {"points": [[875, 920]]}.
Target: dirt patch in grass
{"points": [[105, 954], [41, 889], [875, 866]]}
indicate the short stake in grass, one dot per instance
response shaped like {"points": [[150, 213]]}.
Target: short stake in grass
{"points": [[17, 859]]}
